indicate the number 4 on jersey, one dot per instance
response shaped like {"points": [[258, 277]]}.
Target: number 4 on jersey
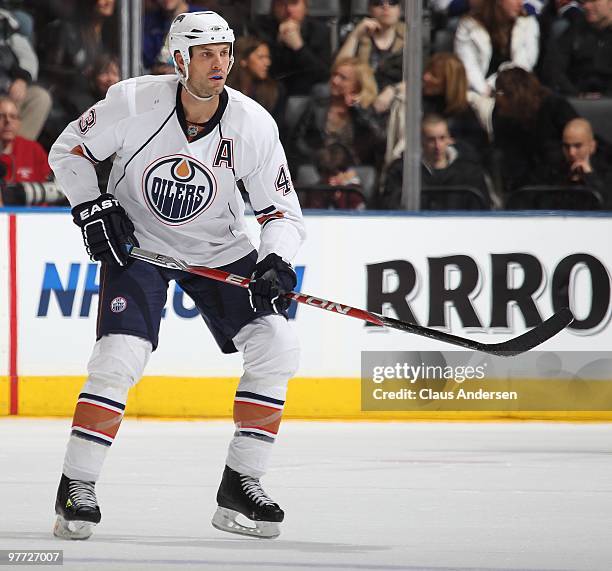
{"points": [[283, 180]]}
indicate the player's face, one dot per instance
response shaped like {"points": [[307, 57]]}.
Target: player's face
{"points": [[208, 69], [9, 121], [258, 63]]}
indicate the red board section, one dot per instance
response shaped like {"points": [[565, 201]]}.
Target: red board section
{"points": [[13, 376]]}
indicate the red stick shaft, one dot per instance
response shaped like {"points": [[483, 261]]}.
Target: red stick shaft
{"points": [[304, 298]]}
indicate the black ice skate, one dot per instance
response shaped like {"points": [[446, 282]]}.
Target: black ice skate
{"points": [[240, 494], [77, 509]]}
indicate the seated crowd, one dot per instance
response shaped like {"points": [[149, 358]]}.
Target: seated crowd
{"points": [[509, 92]]}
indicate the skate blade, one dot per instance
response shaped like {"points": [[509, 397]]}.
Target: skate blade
{"points": [[225, 520], [65, 529]]}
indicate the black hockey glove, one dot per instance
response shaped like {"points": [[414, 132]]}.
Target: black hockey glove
{"points": [[272, 278], [106, 228]]}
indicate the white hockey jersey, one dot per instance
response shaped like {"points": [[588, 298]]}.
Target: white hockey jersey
{"points": [[182, 196]]}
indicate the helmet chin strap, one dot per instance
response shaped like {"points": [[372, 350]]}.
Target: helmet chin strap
{"points": [[184, 84]]}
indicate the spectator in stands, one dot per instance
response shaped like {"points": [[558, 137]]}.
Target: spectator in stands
{"points": [[69, 47], [445, 92], [24, 160], [528, 123], [300, 45], [250, 75], [556, 17], [581, 63], [24, 18], [580, 165], [155, 55], [379, 42], [18, 69], [497, 32], [104, 73], [51, 9], [453, 8], [334, 165], [345, 116], [442, 165]]}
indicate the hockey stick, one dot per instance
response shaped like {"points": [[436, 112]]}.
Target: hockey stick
{"points": [[520, 344]]}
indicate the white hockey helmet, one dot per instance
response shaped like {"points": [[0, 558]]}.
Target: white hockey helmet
{"points": [[195, 29]]}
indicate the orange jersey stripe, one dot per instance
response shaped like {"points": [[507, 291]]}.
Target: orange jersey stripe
{"points": [[265, 218], [78, 151]]}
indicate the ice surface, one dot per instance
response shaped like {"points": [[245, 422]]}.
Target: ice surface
{"points": [[358, 496]]}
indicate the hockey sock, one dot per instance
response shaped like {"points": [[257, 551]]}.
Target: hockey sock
{"points": [[116, 365], [94, 427], [257, 419], [271, 352]]}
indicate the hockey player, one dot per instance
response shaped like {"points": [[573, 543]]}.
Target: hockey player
{"points": [[181, 142]]}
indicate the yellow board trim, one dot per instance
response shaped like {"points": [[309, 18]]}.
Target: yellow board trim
{"points": [[4, 395], [207, 398]]}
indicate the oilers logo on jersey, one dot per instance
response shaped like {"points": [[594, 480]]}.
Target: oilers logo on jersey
{"points": [[177, 189]]}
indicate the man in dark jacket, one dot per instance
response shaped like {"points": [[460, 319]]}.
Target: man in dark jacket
{"points": [[299, 44], [582, 164], [441, 166], [581, 63]]}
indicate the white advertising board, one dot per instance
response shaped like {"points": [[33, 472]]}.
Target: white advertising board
{"points": [[498, 274], [4, 297]]}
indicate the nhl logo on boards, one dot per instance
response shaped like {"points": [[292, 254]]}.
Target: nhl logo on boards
{"points": [[177, 189], [118, 304]]}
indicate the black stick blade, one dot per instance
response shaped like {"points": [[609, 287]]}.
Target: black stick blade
{"points": [[534, 337]]}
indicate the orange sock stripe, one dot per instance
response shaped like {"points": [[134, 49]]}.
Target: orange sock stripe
{"points": [[270, 408], [97, 418], [249, 415]]}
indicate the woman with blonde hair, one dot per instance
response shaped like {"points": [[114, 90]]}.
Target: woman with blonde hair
{"points": [[445, 93], [345, 115], [444, 77]]}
